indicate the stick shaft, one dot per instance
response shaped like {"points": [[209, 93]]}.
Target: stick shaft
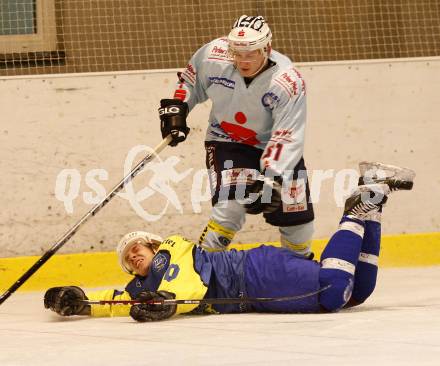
{"points": [[238, 300], [67, 236]]}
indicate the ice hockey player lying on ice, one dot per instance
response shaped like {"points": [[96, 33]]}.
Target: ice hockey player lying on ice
{"points": [[177, 268]]}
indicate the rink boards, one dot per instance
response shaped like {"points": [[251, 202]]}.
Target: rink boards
{"points": [[102, 269]]}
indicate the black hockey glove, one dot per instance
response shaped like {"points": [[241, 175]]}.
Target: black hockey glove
{"points": [[172, 114], [264, 194], [152, 313], [65, 301]]}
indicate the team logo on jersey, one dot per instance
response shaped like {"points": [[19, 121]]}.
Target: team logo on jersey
{"points": [[240, 133], [159, 262], [270, 100], [230, 84]]}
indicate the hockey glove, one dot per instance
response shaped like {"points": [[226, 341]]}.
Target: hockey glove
{"points": [[65, 301], [150, 312], [172, 114], [264, 195]]}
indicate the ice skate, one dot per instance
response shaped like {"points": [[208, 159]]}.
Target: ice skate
{"points": [[397, 178], [366, 200]]}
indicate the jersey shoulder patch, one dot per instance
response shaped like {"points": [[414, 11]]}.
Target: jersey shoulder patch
{"points": [[290, 81], [160, 261]]}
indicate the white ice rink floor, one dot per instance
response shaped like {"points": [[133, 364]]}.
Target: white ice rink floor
{"points": [[399, 325]]}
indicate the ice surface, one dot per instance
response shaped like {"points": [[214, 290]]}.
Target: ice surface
{"points": [[399, 325]]}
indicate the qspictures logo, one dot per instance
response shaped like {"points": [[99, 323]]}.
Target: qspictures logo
{"points": [[167, 177]]}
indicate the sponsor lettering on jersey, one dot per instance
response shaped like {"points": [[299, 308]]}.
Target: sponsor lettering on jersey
{"points": [[219, 53], [297, 73], [211, 164], [287, 81], [295, 197], [235, 176], [303, 87], [270, 100], [169, 242], [282, 135], [222, 81], [181, 93], [189, 74], [190, 70], [218, 134], [303, 83]]}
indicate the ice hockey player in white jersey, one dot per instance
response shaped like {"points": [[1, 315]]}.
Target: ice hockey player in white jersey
{"points": [[255, 136]]}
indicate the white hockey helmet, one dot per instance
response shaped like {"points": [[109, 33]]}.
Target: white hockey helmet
{"points": [[142, 237], [250, 33]]}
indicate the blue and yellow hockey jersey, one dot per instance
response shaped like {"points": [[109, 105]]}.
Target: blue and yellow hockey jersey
{"points": [[191, 272]]}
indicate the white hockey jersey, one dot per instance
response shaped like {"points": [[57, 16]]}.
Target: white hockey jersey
{"points": [[269, 113]]}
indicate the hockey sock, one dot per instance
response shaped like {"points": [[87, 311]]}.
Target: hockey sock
{"points": [[338, 263], [216, 236], [297, 238], [366, 269]]}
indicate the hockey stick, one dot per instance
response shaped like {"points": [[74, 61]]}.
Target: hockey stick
{"points": [[64, 239], [243, 300]]}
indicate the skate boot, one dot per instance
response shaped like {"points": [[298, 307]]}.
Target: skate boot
{"points": [[395, 177], [366, 201]]}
